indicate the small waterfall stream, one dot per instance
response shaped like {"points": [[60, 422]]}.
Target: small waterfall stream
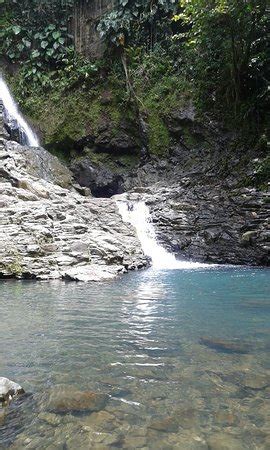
{"points": [[15, 118], [138, 214]]}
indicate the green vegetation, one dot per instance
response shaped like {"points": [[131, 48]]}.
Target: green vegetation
{"points": [[160, 55]]}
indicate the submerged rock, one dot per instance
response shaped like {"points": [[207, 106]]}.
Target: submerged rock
{"points": [[8, 390], [223, 345], [224, 441], [67, 399], [256, 381], [167, 424]]}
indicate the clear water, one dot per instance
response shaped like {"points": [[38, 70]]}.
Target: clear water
{"points": [[139, 339]]}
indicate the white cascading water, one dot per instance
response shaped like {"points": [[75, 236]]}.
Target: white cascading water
{"points": [[137, 213], [13, 112]]}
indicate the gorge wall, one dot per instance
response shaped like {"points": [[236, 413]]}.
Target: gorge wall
{"points": [[51, 226], [48, 230]]}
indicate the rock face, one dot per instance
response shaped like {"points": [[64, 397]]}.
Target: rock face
{"points": [[210, 222], [85, 19], [8, 390], [49, 230], [99, 179]]}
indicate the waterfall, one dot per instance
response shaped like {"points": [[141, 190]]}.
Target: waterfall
{"points": [[14, 118], [137, 213]]}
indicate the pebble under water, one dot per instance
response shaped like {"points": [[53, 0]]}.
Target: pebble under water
{"points": [[182, 356]]}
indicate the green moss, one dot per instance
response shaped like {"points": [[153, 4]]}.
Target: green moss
{"points": [[159, 139], [15, 268], [160, 100], [262, 176]]}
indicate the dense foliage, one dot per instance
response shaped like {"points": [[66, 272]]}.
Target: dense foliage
{"points": [[34, 34], [215, 49], [220, 46], [140, 22]]}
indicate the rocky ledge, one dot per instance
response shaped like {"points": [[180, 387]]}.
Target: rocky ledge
{"points": [[48, 230], [210, 222]]}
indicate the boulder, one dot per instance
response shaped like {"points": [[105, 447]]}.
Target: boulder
{"points": [[92, 272], [8, 390], [66, 399]]}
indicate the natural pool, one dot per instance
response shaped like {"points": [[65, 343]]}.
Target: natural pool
{"points": [[183, 356]]}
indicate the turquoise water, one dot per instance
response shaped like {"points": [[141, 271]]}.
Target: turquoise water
{"points": [[182, 355]]}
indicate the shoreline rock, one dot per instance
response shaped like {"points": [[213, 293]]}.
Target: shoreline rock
{"points": [[8, 390]]}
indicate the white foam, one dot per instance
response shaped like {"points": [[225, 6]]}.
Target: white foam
{"points": [[137, 213], [13, 112]]}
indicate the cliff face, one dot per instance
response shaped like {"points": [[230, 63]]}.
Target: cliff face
{"points": [[49, 230], [85, 19]]}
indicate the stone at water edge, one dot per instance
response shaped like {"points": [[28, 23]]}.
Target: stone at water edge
{"points": [[8, 390]]}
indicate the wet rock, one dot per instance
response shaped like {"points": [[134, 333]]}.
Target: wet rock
{"points": [[39, 163], [97, 177], [223, 441], [66, 399], [191, 442], [135, 442], [50, 418], [223, 345], [101, 421], [168, 424], [8, 390], [186, 417], [93, 272], [256, 381], [2, 418], [226, 418]]}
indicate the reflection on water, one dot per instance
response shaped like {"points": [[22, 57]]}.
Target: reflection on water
{"points": [[182, 355]]}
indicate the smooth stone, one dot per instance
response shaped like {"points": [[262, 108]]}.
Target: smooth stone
{"points": [[67, 399], [224, 441]]}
